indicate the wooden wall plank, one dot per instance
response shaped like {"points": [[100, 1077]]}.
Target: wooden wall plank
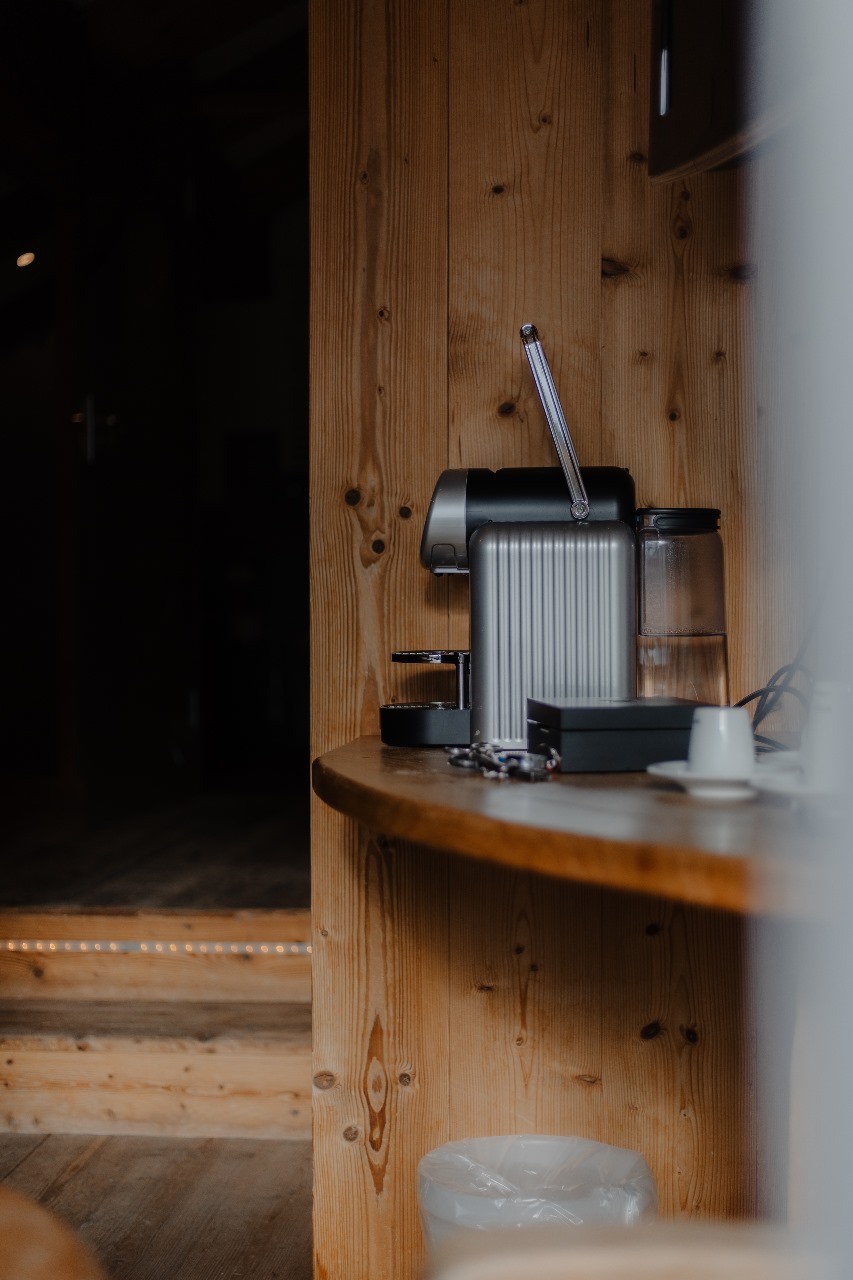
{"points": [[143, 926], [25, 976], [379, 439], [525, 191], [381, 1088], [138, 1091], [379, 362]]}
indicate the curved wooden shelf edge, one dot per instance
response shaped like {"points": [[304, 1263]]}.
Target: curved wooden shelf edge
{"points": [[616, 831]]}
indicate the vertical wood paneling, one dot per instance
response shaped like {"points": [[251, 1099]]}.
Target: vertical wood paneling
{"points": [[378, 397], [380, 1079], [525, 1002], [378, 335], [525, 161], [476, 165]]}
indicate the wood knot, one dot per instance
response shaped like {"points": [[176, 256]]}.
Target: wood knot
{"points": [[404, 1078], [352, 497], [325, 1080], [652, 929], [351, 1133], [37, 972], [498, 189], [691, 1035], [405, 513], [588, 1080], [650, 1031], [485, 986], [612, 269], [637, 157], [741, 271], [378, 546], [507, 409]]}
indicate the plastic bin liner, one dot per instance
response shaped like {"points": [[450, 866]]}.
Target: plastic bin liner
{"points": [[531, 1178]]}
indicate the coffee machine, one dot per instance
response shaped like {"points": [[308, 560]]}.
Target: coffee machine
{"points": [[550, 553]]}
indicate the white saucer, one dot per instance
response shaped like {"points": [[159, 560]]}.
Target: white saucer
{"points": [[702, 786]]}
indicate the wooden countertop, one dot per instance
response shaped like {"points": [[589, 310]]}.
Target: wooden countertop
{"points": [[624, 831]]}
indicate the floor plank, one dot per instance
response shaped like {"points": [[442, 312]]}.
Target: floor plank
{"points": [[189, 1209], [207, 852]]}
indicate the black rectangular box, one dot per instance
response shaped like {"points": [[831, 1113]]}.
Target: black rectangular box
{"points": [[610, 735]]}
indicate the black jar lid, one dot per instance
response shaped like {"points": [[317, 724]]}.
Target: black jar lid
{"points": [[679, 519]]}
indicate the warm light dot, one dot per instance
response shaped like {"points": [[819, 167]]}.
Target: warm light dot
{"points": [[234, 947], [159, 946], [68, 946], [265, 949], [25, 946], [250, 947], [203, 947], [279, 949], [53, 946], [143, 946], [10, 946], [188, 946], [309, 950], [218, 947], [25, 259], [113, 946], [84, 946], [97, 946], [173, 946]]}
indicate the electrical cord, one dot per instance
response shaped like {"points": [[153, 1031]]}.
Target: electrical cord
{"points": [[778, 686]]}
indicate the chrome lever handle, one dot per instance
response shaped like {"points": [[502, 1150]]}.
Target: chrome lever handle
{"points": [[556, 420]]}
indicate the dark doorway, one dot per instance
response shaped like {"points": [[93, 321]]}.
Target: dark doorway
{"points": [[153, 355]]}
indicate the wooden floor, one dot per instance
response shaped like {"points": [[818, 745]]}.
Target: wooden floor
{"points": [[186, 1209], [153, 1207], [220, 850]]}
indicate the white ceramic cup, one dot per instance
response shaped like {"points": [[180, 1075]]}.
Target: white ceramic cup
{"points": [[721, 743]]}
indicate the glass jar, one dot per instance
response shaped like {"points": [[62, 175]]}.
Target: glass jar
{"points": [[681, 645]]}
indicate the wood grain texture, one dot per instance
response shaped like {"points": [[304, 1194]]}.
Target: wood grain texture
{"points": [[203, 1070], [191, 1209], [475, 166], [144, 926], [28, 976], [625, 831], [378, 1064]]}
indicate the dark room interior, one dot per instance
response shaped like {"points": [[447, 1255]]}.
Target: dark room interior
{"points": [[153, 312]]}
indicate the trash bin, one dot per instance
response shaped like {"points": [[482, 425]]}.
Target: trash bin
{"points": [[523, 1180]]}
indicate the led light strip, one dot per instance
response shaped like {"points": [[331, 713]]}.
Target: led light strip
{"points": [[123, 947]]}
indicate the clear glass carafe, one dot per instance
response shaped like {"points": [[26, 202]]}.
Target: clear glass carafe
{"points": [[681, 645]]}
